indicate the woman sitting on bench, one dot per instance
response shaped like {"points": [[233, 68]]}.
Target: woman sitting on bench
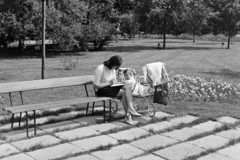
{"points": [[105, 77]]}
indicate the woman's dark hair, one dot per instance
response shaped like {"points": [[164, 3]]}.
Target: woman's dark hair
{"points": [[113, 61]]}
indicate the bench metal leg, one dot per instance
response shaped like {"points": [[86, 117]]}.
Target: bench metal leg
{"points": [[104, 112], [21, 112], [87, 109], [12, 120], [110, 110], [35, 130], [93, 107], [20, 118], [27, 123], [10, 97]]}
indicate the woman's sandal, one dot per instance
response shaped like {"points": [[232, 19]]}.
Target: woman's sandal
{"points": [[128, 119]]}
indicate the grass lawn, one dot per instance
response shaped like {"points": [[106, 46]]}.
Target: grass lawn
{"points": [[205, 59]]}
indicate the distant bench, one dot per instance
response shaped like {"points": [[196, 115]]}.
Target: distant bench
{"points": [[8, 88]]}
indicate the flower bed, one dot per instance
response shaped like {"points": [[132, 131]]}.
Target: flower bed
{"points": [[199, 89]]}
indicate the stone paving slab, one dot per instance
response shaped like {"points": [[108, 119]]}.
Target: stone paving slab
{"points": [[153, 142], [120, 124], [77, 133], [59, 126], [6, 149], [70, 114], [124, 151], [104, 127], [41, 120], [230, 134], [129, 134], [55, 152], [180, 151], [208, 126], [20, 156], [38, 121], [8, 126], [42, 140], [136, 120], [183, 120], [143, 119], [83, 157], [148, 157], [20, 134], [210, 142], [232, 151], [160, 114], [88, 120], [157, 127], [215, 156], [182, 134], [227, 120], [94, 142]]}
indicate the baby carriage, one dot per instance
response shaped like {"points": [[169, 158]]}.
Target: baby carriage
{"points": [[156, 79]]}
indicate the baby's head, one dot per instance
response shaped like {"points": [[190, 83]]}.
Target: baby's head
{"points": [[128, 74]]}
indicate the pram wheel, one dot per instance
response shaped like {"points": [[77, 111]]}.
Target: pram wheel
{"points": [[151, 110], [135, 104], [114, 107]]}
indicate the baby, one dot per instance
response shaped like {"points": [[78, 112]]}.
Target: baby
{"points": [[137, 88]]}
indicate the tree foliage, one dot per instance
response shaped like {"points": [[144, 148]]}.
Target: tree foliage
{"points": [[18, 18], [196, 17], [227, 16], [73, 23], [166, 13], [129, 24], [141, 11]]}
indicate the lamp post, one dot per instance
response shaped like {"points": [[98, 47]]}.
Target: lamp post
{"points": [[43, 36]]}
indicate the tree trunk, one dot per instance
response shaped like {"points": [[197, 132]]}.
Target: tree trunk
{"points": [[193, 37], [164, 32], [21, 45], [43, 37], [229, 38]]}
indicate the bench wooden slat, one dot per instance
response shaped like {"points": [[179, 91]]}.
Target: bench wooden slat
{"points": [[45, 84], [49, 105], [46, 103]]}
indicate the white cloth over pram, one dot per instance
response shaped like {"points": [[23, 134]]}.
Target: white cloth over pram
{"points": [[156, 72]]}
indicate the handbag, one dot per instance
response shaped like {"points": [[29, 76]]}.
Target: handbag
{"points": [[161, 94]]}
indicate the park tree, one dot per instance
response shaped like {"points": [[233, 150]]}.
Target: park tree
{"points": [[8, 25], [141, 10], [64, 22], [196, 17], [129, 24], [22, 15], [227, 16], [165, 13], [71, 24], [124, 6]]}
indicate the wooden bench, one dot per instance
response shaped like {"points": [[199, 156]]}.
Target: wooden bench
{"points": [[9, 88]]}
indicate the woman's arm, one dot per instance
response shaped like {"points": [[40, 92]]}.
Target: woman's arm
{"points": [[98, 74], [102, 85]]}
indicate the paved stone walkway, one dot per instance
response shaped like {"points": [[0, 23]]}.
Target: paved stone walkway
{"points": [[175, 138]]}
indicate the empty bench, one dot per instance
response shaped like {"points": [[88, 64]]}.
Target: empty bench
{"points": [[12, 87]]}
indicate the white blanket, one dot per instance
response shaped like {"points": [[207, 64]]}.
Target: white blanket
{"points": [[156, 72]]}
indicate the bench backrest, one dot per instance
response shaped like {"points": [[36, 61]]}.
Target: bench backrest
{"points": [[45, 83]]}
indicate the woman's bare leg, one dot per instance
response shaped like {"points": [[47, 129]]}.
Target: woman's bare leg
{"points": [[123, 99], [126, 97]]}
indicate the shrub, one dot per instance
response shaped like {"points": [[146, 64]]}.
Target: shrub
{"points": [[68, 62]]}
